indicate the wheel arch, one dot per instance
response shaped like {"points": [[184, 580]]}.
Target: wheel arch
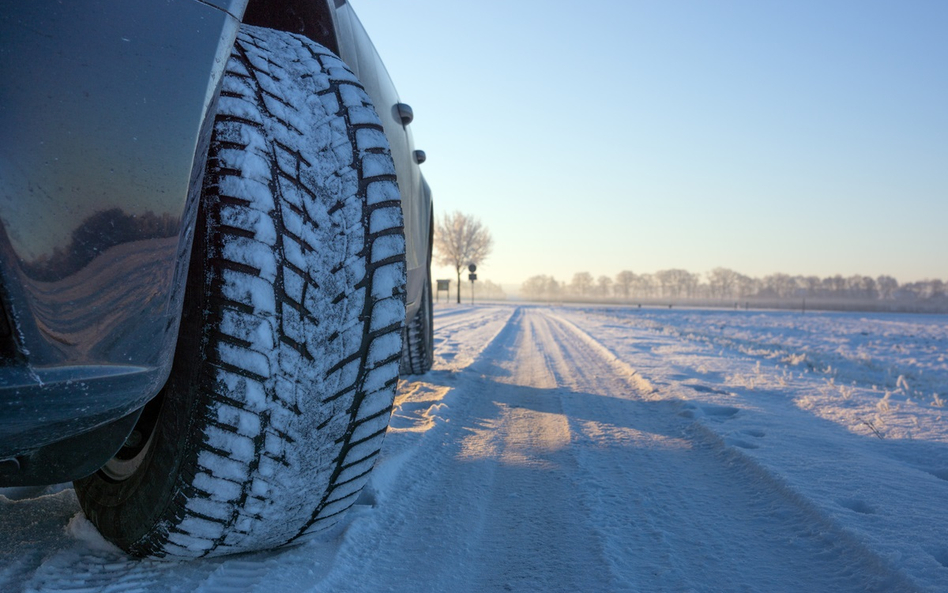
{"points": [[312, 19]]}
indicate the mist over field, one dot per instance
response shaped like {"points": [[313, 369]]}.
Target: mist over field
{"points": [[723, 287]]}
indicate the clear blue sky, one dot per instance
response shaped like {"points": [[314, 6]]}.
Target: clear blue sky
{"points": [[805, 137]]}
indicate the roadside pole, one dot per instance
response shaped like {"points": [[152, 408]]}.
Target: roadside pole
{"points": [[472, 277]]}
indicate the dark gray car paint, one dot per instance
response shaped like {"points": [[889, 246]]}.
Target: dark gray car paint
{"points": [[102, 115]]}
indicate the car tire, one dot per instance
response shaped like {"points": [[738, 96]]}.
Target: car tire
{"points": [[287, 360], [418, 342]]}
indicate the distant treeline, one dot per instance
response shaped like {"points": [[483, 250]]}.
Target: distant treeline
{"points": [[94, 235], [483, 290], [725, 285]]}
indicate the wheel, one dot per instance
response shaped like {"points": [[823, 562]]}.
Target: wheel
{"points": [[287, 360], [418, 342]]}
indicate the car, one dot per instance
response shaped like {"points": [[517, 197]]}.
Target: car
{"points": [[215, 252]]}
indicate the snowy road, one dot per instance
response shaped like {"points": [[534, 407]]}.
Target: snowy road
{"points": [[568, 450]]}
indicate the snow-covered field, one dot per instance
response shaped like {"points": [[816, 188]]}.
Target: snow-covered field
{"points": [[598, 449]]}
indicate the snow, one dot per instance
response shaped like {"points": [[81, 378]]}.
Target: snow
{"points": [[606, 449], [382, 191], [376, 165]]}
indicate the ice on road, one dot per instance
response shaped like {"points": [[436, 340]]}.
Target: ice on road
{"points": [[557, 449]]}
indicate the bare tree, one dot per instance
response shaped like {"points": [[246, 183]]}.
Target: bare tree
{"points": [[534, 287], [812, 285], [676, 282], [666, 280], [935, 289], [746, 285], [644, 284], [690, 283], [887, 286], [459, 240], [835, 285], [541, 287], [862, 287], [603, 286], [485, 289], [582, 282], [779, 285], [624, 281], [722, 282], [912, 290]]}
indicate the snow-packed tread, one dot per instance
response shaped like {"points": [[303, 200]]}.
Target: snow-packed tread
{"points": [[292, 177], [304, 279], [417, 354]]}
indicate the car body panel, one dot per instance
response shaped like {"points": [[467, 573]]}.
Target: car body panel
{"points": [[97, 213]]}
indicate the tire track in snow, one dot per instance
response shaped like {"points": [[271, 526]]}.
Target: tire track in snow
{"points": [[88, 564], [554, 472], [82, 571], [881, 493], [707, 518], [238, 574], [488, 505], [461, 334], [446, 319]]}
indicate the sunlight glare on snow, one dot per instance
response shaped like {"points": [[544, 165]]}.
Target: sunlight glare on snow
{"points": [[537, 434], [418, 406]]}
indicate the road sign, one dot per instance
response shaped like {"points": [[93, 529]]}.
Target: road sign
{"points": [[444, 285], [471, 268], [472, 277]]}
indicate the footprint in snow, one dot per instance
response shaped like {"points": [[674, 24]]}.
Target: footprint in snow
{"points": [[741, 443], [940, 473], [940, 556], [690, 410], [720, 411], [706, 389]]}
